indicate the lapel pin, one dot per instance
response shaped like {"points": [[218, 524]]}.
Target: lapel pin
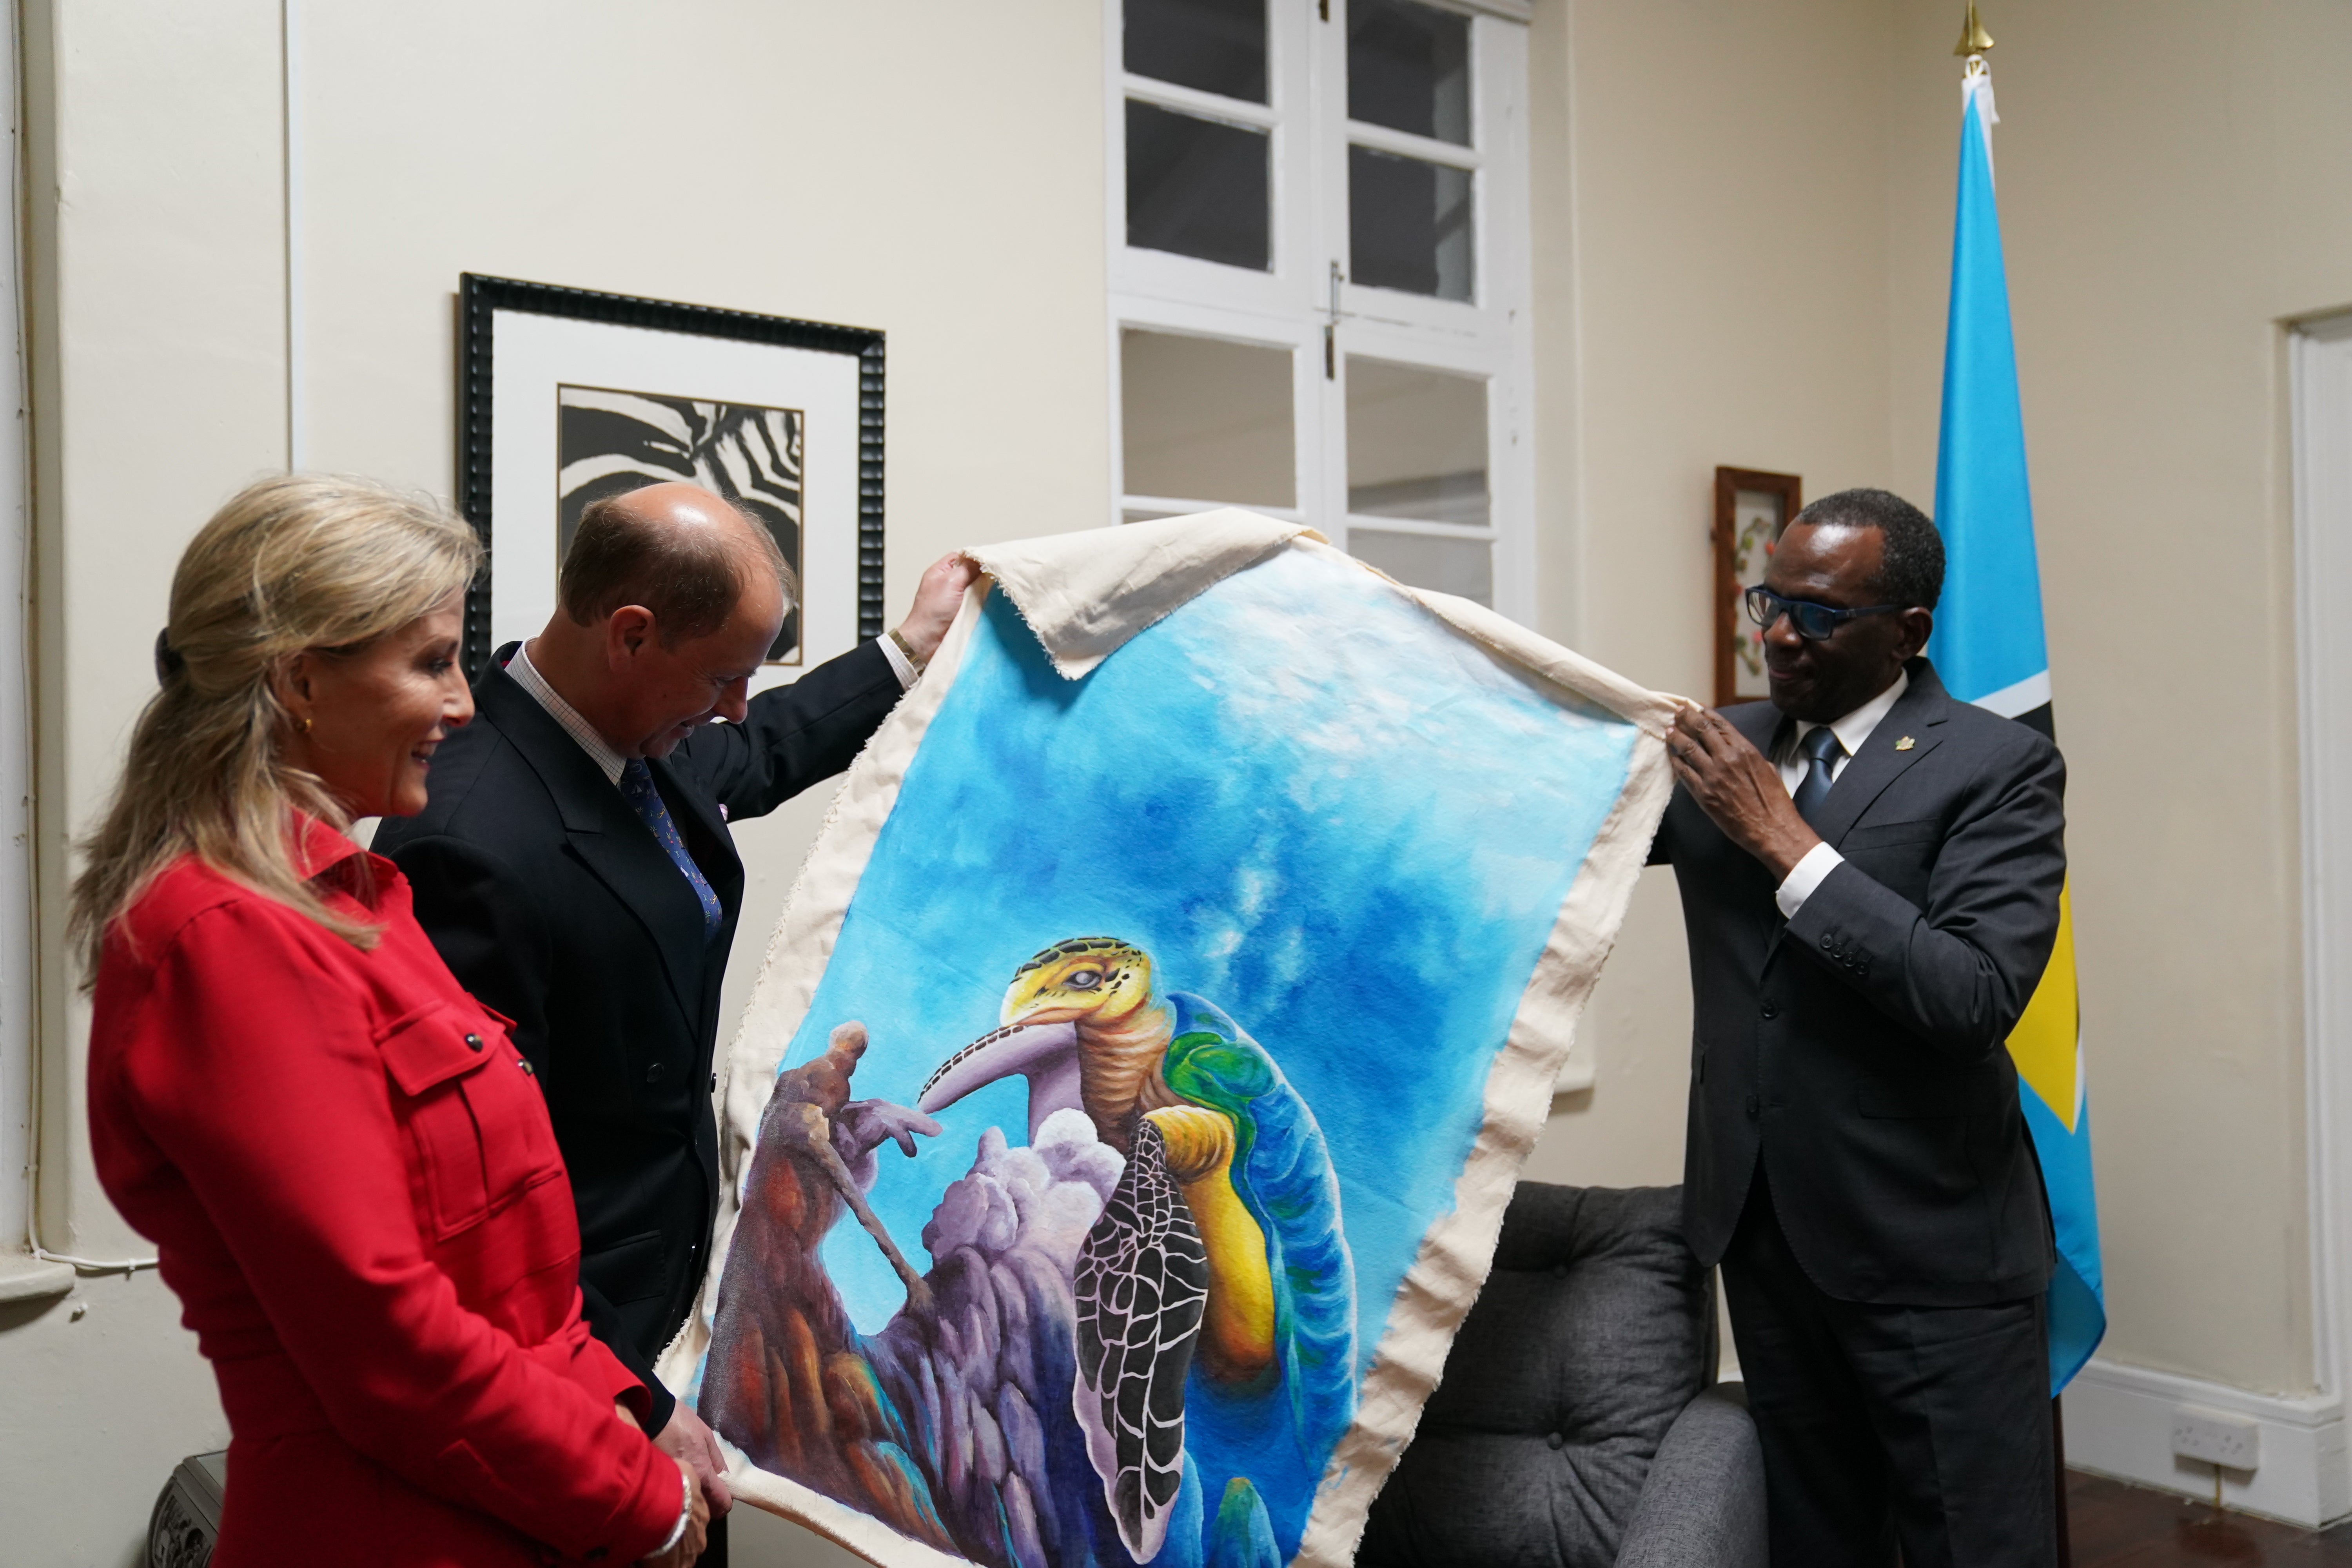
{"points": [[1905, 744]]}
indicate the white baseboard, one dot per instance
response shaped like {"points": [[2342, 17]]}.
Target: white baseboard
{"points": [[2119, 1424]]}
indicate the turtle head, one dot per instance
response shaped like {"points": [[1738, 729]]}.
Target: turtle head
{"points": [[1093, 982]]}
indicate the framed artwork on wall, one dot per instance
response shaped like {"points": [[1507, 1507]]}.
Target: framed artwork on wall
{"points": [[566, 397], [1751, 508]]}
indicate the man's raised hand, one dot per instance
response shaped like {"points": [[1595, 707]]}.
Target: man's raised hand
{"points": [[937, 597], [1739, 790]]}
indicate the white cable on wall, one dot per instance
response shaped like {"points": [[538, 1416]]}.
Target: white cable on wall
{"points": [[290, 55]]}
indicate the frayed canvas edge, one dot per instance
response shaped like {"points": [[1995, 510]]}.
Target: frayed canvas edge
{"points": [[1653, 712], [1457, 1251], [1117, 630], [784, 989], [846, 1527]]}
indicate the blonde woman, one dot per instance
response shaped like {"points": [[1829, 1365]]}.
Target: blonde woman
{"points": [[346, 1168]]}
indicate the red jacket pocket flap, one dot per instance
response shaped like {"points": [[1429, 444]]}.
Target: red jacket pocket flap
{"points": [[431, 1049]]}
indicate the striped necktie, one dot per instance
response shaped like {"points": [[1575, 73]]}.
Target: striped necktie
{"points": [[638, 784]]}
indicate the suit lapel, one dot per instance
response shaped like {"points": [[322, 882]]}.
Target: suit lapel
{"points": [[603, 832], [1760, 722], [1915, 719]]}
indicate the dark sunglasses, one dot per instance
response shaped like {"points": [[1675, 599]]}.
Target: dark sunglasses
{"points": [[1814, 622]]}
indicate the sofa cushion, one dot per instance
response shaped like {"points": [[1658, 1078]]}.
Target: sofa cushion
{"points": [[1593, 1333]]}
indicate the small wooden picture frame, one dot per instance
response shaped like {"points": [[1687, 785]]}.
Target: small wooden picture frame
{"points": [[1751, 508]]}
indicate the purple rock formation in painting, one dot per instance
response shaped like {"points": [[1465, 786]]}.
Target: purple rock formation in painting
{"points": [[953, 1424]]}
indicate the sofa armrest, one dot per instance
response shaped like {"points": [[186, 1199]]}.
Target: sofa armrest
{"points": [[1702, 1503]]}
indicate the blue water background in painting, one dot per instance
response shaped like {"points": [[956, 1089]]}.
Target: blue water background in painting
{"points": [[1309, 801]]}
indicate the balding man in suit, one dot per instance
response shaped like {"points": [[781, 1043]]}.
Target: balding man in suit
{"points": [[574, 868]]}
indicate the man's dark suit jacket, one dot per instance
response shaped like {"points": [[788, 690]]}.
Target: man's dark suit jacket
{"points": [[543, 890], [1857, 1049]]}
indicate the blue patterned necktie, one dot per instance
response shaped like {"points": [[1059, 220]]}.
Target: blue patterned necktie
{"points": [[638, 784], [1821, 745]]}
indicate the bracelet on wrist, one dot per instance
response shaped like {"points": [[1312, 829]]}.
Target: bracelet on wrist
{"points": [[685, 1513]]}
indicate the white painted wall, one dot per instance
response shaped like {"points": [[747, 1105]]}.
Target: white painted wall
{"points": [[1710, 201], [156, 340], [1740, 221]]}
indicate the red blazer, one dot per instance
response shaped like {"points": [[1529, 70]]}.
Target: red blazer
{"points": [[349, 1179]]}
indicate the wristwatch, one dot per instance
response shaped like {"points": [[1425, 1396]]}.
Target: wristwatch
{"points": [[906, 648]]}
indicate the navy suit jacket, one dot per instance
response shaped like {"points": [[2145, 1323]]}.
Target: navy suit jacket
{"points": [[1857, 1050], [544, 893]]}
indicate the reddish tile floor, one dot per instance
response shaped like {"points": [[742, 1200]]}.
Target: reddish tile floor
{"points": [[2119, 1526]]}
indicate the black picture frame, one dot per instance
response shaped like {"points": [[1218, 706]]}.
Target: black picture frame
{"points": [[481, 297]]}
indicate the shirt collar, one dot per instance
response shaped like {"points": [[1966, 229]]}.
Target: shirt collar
{"points": [[1854, 728], [335, 861], [319, 848], [599, 752]]}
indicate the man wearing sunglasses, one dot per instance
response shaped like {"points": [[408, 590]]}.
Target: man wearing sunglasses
{"points": [[1870, 874]]}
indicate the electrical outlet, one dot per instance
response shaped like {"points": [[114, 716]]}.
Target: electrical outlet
{"points": [[2233, 1442]]}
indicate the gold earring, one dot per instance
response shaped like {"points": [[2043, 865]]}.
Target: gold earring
{"points": [[306, 724]]}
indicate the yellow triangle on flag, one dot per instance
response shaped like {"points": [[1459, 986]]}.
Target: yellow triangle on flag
{"points": [[2045, 1044]]}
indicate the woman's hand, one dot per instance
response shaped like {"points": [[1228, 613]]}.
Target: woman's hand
{"points": [[698, 1522]]}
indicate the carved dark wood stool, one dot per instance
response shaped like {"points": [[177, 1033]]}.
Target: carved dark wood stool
{"points": [[186, 1521]]}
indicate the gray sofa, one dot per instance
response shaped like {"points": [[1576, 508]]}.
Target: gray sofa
{"points": [[1579, 1423]]}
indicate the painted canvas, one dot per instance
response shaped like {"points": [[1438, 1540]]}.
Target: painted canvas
{"points": [[1124, 1112]]}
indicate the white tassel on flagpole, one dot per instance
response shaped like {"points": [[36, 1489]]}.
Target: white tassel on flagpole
{"points": [[1976, 82]]}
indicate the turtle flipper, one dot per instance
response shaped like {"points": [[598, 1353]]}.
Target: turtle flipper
{"points": [[1140, 1284], [1241, 1536], [1282, 1171]]}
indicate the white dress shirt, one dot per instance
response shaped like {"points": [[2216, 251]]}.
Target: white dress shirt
{"points": [[599, 750], [1852, 731]]}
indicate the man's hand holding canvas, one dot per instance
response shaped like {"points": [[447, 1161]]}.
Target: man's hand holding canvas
{"points": [[1739, 790]]}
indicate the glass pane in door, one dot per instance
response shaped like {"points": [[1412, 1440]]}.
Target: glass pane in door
{"points": [[1206, 420], [1461, 566], [1217, 46], [1408, 224], [1416, 443], [1197, 187], [1408, 67]]}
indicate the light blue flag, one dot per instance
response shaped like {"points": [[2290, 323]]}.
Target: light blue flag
{"points": [[1989, 649]]}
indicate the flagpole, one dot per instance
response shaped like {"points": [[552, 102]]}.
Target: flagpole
{"points": [[1977, 77], [1974, 39]]}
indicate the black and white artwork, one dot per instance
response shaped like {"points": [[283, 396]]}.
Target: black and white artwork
{"points": [[609, 442], [567, 396]]}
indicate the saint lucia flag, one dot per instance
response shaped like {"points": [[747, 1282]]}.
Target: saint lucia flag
{"points": [[1988, 647]]}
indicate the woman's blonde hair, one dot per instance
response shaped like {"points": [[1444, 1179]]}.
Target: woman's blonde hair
{"points": [[300, 562]]}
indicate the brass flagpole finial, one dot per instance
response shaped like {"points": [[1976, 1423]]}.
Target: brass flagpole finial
{"points": [[1974, 39]]}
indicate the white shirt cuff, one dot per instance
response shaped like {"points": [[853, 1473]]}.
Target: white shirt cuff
{"points": [[1804, 876], [899, 664]]}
